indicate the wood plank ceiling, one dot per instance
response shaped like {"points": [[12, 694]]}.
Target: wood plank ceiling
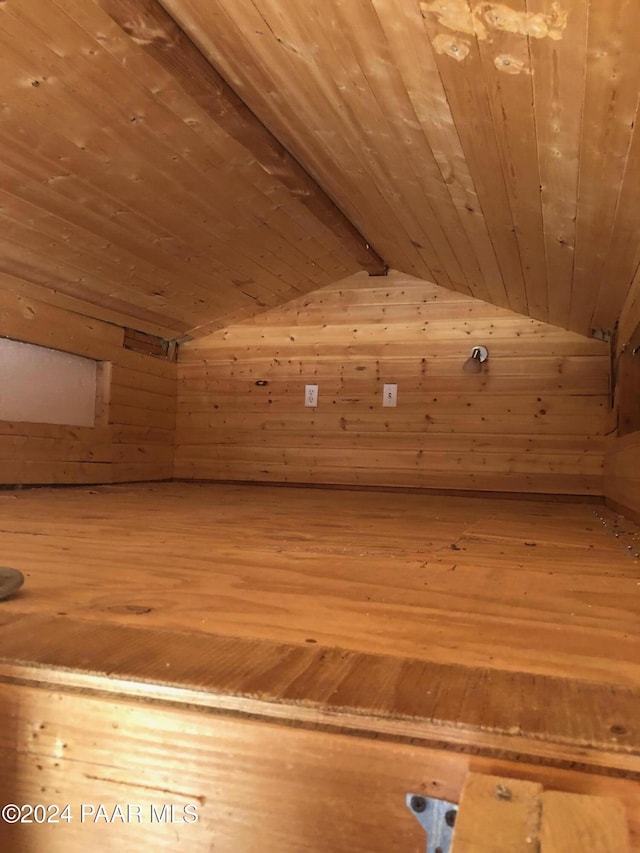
{"points": [[490, 148], [140, 185]]}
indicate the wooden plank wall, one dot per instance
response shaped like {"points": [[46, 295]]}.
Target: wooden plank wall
{"points": [[622, 469], [135, 441], [622, 475], [534, 421]]}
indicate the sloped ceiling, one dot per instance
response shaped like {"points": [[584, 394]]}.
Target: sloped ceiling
{"points": [[136, 187], [488, 147]]}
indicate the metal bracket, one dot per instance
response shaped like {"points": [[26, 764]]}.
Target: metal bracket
{"points": [[437, 818]]}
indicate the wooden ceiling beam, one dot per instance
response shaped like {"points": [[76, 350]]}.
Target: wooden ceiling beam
{"points": [[151, 27]]}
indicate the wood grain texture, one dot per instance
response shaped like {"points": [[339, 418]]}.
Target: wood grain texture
{"points": [[491, 148], [622, 474], [628, 388], [579, 822], [558, 103], [533, 421], [179, 167], [58, 746], [329, 688], [191, 644], [179, 57], [609, 118], [498, 814], [133, 180], [622, 462], [134, 432], [630, 317], [490, 585]]}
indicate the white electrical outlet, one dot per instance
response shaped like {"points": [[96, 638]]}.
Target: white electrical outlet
{"points": [[311, 395], [390, 395]]}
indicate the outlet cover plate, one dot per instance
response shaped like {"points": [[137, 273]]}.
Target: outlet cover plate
{"points": [[390, 395], [311, 395]]}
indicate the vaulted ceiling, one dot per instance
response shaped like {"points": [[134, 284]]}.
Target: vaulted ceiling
{"points": [[488, 147]]}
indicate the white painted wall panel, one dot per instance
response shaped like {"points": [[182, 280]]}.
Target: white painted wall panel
{"points": [[41, 385]]}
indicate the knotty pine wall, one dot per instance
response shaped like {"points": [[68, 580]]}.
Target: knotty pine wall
{"points": [[135, 441], [622, 468], [535, 421], [622, 474]]}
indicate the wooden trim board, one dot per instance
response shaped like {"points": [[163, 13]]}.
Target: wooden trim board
{"points": [[262, 729], [510, 715], [255, 785]]}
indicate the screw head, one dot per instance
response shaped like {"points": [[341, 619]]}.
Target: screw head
{"points": [[503, 793], [450, 817], [418, 804]]}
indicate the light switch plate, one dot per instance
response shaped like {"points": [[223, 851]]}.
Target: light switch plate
{"points": [[311, 395], [390, 395]]}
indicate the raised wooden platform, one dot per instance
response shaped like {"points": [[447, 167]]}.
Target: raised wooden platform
{"points": [[233, 643]]}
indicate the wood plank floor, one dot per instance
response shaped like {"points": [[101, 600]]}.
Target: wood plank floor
{"points": [[504, 630], [521, 586]]}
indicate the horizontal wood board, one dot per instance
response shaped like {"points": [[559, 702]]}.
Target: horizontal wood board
{"points": [[133, 439], [533, 420], [80, 748]]}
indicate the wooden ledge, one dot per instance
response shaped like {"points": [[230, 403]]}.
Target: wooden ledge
{"points": [[508, 715]]}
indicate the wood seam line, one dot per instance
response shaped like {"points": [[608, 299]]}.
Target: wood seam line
{"points": [[550, 497], [67, 626], [181, 57], [323, 680], [526, 497], [496, 745]]}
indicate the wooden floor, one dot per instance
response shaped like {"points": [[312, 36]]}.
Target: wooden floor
{"points": [[521, 586], [503, 629]]}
